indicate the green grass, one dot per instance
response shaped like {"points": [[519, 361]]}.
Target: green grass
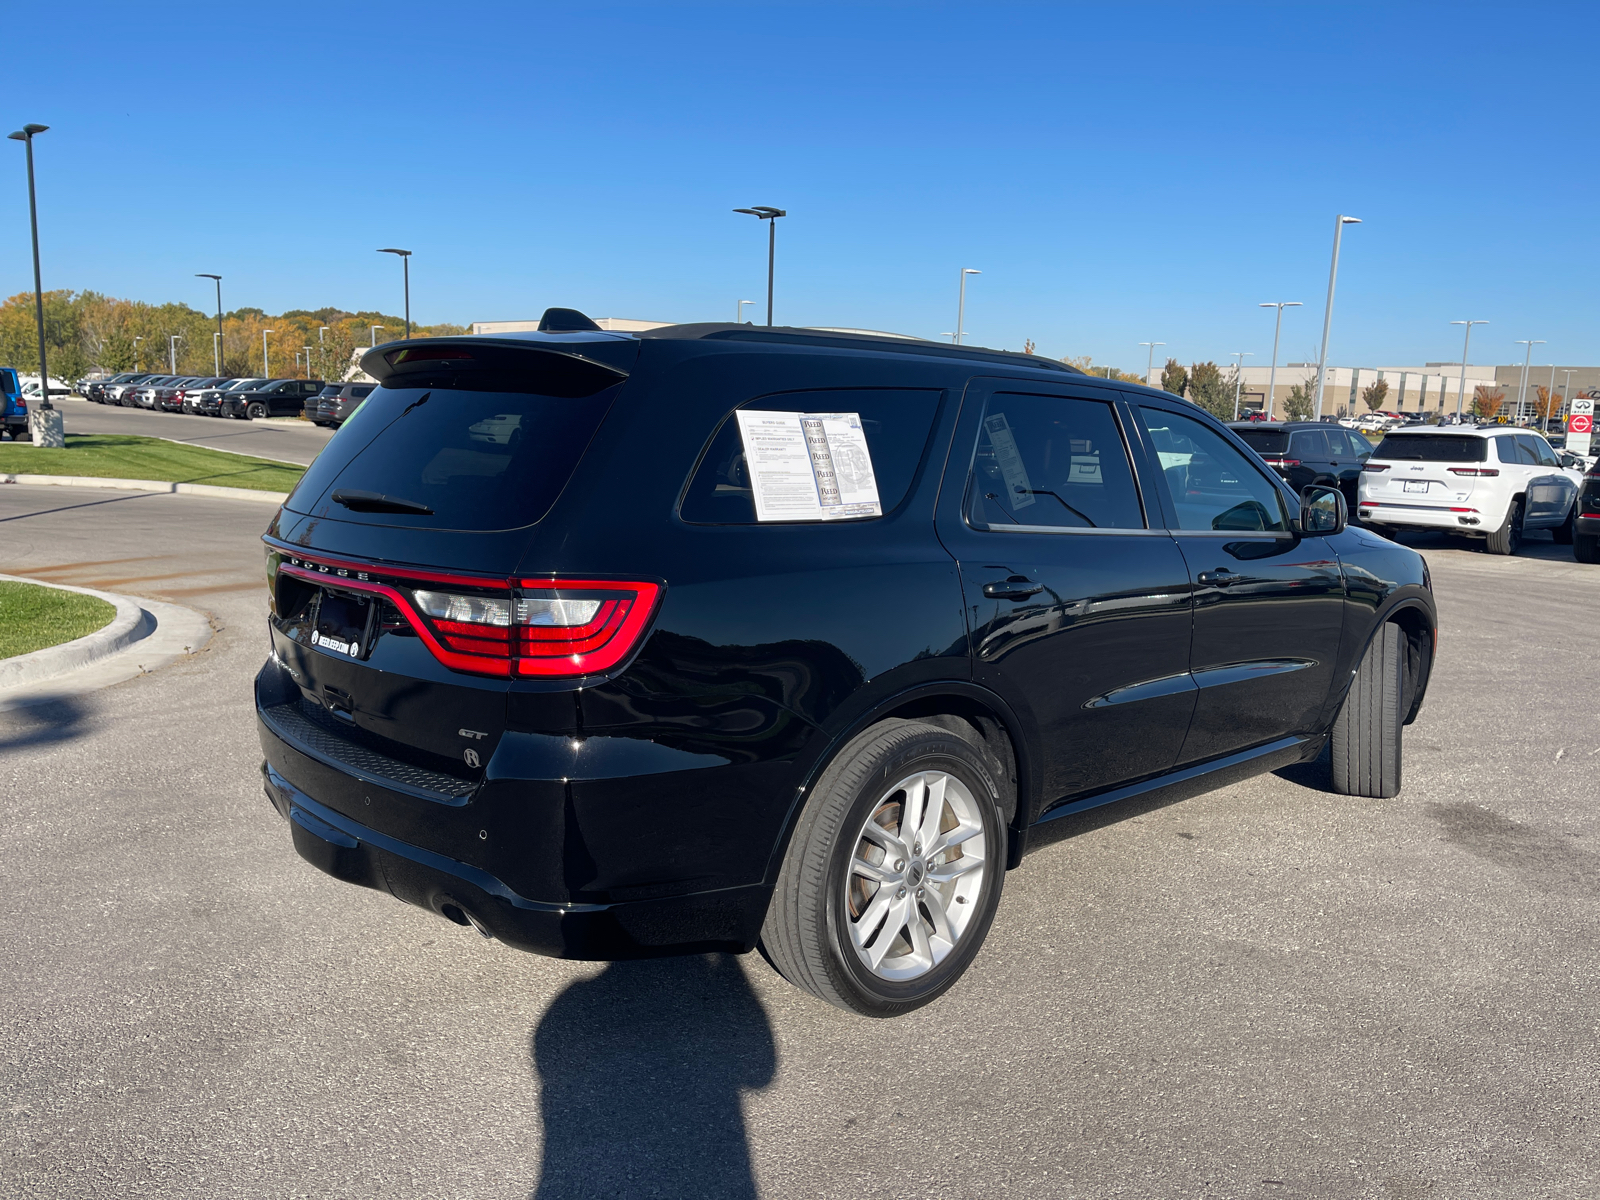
{"points": [[33, 617], [123, 456]]}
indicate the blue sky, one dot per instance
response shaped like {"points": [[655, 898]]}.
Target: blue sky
{"points": [[1119, 172]]}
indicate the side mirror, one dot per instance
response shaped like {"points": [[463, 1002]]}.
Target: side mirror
{"points": [[1322, 510]]}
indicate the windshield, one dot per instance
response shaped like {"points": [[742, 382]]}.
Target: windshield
{"points": [[479, 460], [245, 384], [1433, 447], [1264, 441]]}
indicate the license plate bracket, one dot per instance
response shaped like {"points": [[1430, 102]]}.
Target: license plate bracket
{"points": [[1416, 485], [342, 623]]}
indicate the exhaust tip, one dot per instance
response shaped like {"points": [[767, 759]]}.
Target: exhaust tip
{"points": [[450, 910]]}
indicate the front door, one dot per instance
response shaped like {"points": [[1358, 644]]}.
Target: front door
{"points": [[1078, 605], [1268, 603]]}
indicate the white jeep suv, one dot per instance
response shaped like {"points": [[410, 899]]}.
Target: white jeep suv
{"points": [[1480, 481]]}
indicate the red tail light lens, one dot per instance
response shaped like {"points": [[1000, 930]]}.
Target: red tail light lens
{"points": [[1474, 471], [1282, 462], [1374, 467]]}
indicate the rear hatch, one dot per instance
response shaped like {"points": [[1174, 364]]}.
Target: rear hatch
{"points": [[1270, 444], [1427, 469], [395, 603]]}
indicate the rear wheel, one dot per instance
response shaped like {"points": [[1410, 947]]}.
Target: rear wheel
{"points": [[1367, 735], [1586, 547], [1508, 537], [893, 874]]}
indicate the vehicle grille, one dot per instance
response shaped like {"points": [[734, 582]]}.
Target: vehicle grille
{"points": [[300, 724]]}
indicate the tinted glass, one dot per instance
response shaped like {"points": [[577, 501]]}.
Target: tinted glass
{"points": [[896, 423], [479, 460], [1053, 462], [1309, 443], [1539, 448], [361, 392], [1212, 485], [1433, 447], [1269, 443]]}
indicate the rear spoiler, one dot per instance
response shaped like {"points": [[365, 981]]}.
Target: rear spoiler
{"points": [[551, 363]]}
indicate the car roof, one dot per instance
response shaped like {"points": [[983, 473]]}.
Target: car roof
{"points": [[1284, 425], [1455, 431]]}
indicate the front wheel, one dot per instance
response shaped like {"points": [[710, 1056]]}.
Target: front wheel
{"points": [[894, 872], [255, 411], [1508, 537], [1367, 735]]}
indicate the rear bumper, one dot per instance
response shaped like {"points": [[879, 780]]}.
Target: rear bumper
{"points": [[1426, 516], [1588, 524]]}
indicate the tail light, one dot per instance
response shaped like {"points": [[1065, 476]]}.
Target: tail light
{"points": [[1491, 471], [1374, 467], [1282, 462], [525, 629]]}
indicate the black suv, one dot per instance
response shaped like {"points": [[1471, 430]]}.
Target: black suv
{"points": [[1307, 452], [612, 645], [278, 398]]}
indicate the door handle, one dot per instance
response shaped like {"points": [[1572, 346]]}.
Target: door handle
{"points": [[1018, 587], [1221, 577]]}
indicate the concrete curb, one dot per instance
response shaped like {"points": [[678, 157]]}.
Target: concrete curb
{"points": [[129, 625], [149, 485]]}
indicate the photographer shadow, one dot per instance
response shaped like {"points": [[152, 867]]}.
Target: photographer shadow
{"points": [[640, 1071]]}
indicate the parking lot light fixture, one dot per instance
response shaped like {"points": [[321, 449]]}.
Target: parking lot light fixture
{"points": [[1272, 376], [1339, 223], [766, 212], [218, 278], [739, 319], [136, 342], [216, 350], [1238, 378], [266, 367], [25, 135], [1150, 361], [308, 361], [172, 350], [1566, 393], [375, 329], [1461, 391], [405, 258], [322, 350], [961, 303], [1527, 367]]}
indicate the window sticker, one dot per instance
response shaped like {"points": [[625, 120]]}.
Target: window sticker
{"points": [[808, 466], [1009, 459]]}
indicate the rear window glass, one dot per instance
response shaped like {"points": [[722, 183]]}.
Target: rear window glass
{"points": [[896, 423], [1264, 441], [1432, 447], [360, 393], [479, 460]]}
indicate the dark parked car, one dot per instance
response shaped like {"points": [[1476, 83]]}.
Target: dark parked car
{"points": [[1307, 452], [337, 401], [278, 398], [208, 401], [172, 397], [612, 645], [1586, 525], [96, 389]]}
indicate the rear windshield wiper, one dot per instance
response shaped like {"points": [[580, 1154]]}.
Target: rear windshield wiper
{"points": [[359, 501]]}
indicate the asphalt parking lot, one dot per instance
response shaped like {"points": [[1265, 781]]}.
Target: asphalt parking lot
{"points": [[1267, 991], [284, 440]]}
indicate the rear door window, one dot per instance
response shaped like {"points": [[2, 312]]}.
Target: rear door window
{"points": [[896, 422], [1051, 462], [474, 460], [1310, 443], [1269, 443]]}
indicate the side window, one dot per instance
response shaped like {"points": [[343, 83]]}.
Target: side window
{"points": [[1527, 456], [1051, 462], [1506, 448], [1309, 443], [1546, 456], [1212, 485], [896, 422], [1359, 446]]}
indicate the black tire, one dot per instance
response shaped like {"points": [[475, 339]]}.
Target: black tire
{"points": [[1367, 735], [1563, 533], [254, 411], [1508, 537], [1586, 547], [806, 934]]}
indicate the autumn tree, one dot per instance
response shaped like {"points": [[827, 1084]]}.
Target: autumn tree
{"points": [[1374, 394], [1211, 390], [1174, 378], [1486, 401], [1301, 402], [1547, 404]]}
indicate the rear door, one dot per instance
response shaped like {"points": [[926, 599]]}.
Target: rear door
{"points": [[1078, 604], [1268, 603], [1311, 447], [1550, 492]]}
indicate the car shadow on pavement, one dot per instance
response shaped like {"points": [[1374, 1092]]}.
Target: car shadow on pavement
{"points": [[42, 722], [640, 1071]]}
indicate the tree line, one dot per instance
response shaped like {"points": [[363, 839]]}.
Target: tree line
{"points": [[85, 331]]}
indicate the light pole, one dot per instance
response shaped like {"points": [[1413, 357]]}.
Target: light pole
{"points": [[136, 342], [322, 350], [1150, 362], [739, 319], [1238, 379], [1527, 363], [218, 278], [1566, 392], [764, 212], [216, 350], [266, 368], [1339, 223], [375, 329], [25, 135], [307, 349], [1461, 392], [172, 350], [961, 306], [405, 257], [1272, 377]]}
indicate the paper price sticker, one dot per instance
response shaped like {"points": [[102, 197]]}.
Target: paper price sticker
{"points": [[808, 466]]}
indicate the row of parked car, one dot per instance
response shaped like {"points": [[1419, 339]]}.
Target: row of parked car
{"points": [[327, 404]]}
